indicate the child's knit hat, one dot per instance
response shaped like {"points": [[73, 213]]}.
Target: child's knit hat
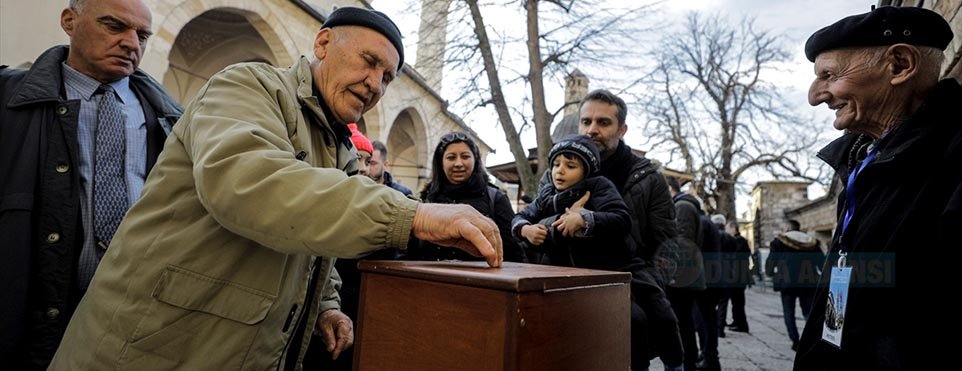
{"points": [[580, 146]]}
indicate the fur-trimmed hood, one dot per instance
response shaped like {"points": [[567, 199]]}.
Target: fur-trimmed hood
{"points": [[798, 240]]}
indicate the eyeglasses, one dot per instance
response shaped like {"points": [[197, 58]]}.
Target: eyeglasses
{"points": [[352, 167]]}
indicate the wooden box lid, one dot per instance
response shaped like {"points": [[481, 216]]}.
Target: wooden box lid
{"points": [[516, 277]]}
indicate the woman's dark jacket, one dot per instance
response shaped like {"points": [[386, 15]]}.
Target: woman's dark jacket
{"points": [[41, 232], [606, 247], [480, 199], [902, 243]]}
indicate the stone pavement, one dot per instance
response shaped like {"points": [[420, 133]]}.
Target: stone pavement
{"points": [[767, 346]]}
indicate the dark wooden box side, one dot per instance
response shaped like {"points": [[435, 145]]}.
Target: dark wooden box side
{"points": [[575, 330], [517, 277], [405, 321]]}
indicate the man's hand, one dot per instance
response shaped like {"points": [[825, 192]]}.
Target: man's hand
{"points": [[337, 330], [534, 233], [571, 222], [580, 204], [459, 226]]}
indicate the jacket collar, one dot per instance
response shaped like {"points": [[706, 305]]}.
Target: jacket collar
{"points": [[44, 83], [301, 73], [835, 154]]}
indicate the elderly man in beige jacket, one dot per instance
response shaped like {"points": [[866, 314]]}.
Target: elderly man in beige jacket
{"points": [[226, 262]]}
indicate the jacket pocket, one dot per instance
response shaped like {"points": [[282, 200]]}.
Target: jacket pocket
{"points": [[197, 322], [197, 292]]}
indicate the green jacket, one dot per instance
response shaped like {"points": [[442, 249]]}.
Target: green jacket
{"points": [[210, 269]]}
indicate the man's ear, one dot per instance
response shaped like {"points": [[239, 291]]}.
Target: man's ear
{"points": [[903, 60], [322, 42], [622, 129], [68, 21]]}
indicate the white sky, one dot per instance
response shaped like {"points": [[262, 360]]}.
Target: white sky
{"points": [[796, 19]]}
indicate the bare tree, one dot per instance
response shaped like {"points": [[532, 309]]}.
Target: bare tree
{"points": [[708, 101], [557, 37]]}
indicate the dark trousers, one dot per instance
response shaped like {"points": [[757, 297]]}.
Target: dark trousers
{"points": [[805, 298], [654, 327], [706, 322], [737, 297], [683, 304]]}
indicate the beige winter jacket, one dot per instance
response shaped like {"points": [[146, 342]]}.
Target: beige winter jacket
{"points": [[209, 270]]}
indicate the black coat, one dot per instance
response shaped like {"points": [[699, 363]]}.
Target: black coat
{"points": [[902, 243], [480, 200], [793, 266], [41, 232], [742, 275], [605, 249], [645, 191], [690, 271]]}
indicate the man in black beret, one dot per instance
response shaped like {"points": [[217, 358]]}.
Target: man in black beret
{"points": [[895, 247], [227, 260]]}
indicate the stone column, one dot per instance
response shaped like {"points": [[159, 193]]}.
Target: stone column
{"points": [[431, 41]]}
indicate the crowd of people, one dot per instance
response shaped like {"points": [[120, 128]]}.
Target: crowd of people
{"points": [[136, 230]]}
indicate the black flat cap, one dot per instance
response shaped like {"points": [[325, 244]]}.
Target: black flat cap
{"points": [[373, 19], [885, 25]]}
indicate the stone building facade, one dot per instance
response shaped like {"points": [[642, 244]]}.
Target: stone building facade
{"points": [[769, 203], [193, 39]]}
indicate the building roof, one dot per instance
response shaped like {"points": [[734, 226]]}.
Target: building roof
{"points": [[567, 126]]}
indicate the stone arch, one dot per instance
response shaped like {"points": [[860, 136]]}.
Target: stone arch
{"points": [[206, 36], [372, 123], [408, 149]]}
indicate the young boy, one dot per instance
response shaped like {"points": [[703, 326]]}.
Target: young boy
{"points": [[592, 238]]}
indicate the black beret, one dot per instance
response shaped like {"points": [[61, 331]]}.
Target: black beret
{"points": [[885, 25], [373, 19]]}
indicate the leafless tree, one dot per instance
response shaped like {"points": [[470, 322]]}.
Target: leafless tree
{"points": [[708, 101], [558, 36]]}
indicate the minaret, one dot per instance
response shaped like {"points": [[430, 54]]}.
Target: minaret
{"points": [[576, 88], [431, 41]]}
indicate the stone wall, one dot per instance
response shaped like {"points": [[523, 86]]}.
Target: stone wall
{"points": [[770, 201]]}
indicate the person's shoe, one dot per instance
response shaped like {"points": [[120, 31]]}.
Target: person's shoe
{"points": [[739, 329], [794, 346], [706, 365]]}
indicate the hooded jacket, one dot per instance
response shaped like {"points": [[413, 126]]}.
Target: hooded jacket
{"points": [[794, 262]]}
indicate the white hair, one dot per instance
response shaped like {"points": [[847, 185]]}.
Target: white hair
{"points": [[719, 219], [930, 63]]}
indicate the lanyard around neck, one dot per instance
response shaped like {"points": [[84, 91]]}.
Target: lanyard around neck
{"points": [[850, 200]]}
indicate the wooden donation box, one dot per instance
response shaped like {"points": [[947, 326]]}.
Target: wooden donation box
{"points": [[423, 316]]}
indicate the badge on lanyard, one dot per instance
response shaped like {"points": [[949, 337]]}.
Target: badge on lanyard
{"points": [[837, 303]]}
